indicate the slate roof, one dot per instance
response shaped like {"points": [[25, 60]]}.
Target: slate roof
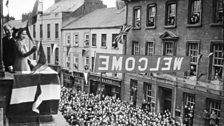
{"points": [[100, 18], [17, 23], [65, 6]]}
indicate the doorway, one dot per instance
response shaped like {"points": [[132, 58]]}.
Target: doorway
{"points": [[164, 99]]}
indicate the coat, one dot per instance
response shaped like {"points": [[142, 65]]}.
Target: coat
{"points": [[21, 56]]}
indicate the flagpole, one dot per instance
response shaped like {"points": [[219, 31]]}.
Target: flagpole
{"points": [[2, 72]]}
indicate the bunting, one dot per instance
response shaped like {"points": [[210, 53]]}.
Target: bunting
{"points": [[68, 50], [124, 30]]}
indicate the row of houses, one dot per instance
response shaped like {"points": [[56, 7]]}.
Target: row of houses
{"points": [[73, 32]]}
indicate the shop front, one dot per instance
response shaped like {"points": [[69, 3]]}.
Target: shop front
{"points": [[67, 79], [106, 85], [78, 81]]}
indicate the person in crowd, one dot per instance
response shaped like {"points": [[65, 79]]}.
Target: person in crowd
{"points": [[22, 52], [84, 109], [213, 118], [8, 49]]}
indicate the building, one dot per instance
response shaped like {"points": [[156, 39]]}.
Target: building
{"points": [[49, 24], [178, 28], [88, 35]]}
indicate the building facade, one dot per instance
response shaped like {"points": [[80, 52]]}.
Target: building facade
{"points": [[91, 34], [178, 28]]}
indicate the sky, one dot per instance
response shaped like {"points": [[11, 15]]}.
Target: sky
{"points": [[17, 7]]}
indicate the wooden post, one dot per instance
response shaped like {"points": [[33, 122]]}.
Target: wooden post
{"points": [[2, 71]]}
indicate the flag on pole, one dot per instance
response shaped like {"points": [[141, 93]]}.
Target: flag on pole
{"points": [[197, 69], [54, 48], [42, 61], [124, 30], [32, 18]]}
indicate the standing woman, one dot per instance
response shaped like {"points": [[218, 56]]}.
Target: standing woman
{"points": [[22, 52]]}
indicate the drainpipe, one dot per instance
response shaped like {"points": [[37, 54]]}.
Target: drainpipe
{"points": [[124, 53]]}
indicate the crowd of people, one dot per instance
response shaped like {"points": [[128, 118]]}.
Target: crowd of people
{"points": [[84, 109]]}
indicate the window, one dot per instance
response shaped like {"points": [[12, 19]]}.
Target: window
{"points": [[41, 31], [193, 51], [170, 19], [217, 61], [189, 105], [48, 54], [169, 48], [137, 17], [56, 56], [114, 43], [76, 62], [148, 99], [87, 61], [94, 36], [76, 39], [86, 39], [93, 60], [34, 31], [56, 31], [135, 48], [133, 91], [149, 51], [151, 15], [194, 16], [68, 60], [214, 108], [68, 39], [48, 30], [104, 40], [218, 11]]}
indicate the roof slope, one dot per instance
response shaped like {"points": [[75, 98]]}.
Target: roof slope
{"points": [[65, 6], [17, 23], [105, 17]]}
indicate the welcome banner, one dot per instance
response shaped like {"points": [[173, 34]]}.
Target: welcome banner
{"points": [[140, 64]]}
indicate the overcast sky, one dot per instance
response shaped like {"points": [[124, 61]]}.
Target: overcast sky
{"points": [[17, 7]]}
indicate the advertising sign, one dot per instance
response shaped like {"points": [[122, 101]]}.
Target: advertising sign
{"points": [[140, 64]]}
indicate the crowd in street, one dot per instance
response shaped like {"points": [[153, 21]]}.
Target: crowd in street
{"points": [[82, 109]]}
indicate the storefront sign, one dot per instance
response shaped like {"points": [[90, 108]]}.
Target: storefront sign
{"points": [[140, 64]]}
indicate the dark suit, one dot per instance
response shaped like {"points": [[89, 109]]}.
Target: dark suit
{"points": [[8, 52]]}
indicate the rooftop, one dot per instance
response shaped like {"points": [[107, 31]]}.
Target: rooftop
{"points": [[100, 18], [65, 6]]}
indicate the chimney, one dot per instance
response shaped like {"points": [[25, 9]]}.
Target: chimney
{"points": [[55, 1]]}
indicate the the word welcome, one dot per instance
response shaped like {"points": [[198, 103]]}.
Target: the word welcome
{"points": [[140, 64]]}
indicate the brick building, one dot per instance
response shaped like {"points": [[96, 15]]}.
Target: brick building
{"points": [[178, 28]]}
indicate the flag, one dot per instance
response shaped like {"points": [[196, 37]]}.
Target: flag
{"points": [[86, 77], [42, 61], [68, 50], [124, 30], [54, 48], [25, 92], [37, 99], [7, 3], [32, 19], [198, 62], [210, 54], [120, 4]]}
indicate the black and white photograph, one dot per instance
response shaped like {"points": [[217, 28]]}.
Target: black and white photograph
{"points": [[112, 63]]}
